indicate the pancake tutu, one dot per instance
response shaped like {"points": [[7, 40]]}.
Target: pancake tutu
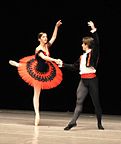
{"points": [[44, 80]]}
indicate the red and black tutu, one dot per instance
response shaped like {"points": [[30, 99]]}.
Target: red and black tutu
{"points": [[29, 72]]}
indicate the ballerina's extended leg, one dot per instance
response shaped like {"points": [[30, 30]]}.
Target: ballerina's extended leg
{"points": [[13, 63]]}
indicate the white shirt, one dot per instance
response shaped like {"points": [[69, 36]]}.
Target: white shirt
{"points": [[83, 68]]}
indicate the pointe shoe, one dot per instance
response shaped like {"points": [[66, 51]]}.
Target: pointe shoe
{"points": [[37, 120], [13, 63], [69, 126]]}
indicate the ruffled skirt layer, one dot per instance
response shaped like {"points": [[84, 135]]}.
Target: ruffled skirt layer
{"points": [[45, 80]]}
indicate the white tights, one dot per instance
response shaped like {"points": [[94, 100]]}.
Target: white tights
{"points": [[35, 97]]}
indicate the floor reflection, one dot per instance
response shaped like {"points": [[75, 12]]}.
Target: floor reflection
{"points": [[35, 139]]}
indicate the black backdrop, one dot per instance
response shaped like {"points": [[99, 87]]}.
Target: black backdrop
{"points": [[21, 21]]}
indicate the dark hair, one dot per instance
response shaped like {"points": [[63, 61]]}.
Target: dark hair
{"points": [[40, 34]]}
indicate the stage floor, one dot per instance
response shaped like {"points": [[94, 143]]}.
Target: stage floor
{"points": [[17, 127]]}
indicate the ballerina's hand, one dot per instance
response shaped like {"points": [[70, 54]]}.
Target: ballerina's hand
{"points": [[60, 63], [58, 23]]}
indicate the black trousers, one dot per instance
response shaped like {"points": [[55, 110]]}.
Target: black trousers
{"points": [[87, 86]]}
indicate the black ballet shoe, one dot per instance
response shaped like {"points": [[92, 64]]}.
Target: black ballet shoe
{"points": [[100, 127], [69, 126]]}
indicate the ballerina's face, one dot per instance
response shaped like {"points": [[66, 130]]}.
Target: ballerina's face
{"points": [[43, 38]]}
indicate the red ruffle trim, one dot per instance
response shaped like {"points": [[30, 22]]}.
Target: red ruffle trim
{"points": [[22, 70]]}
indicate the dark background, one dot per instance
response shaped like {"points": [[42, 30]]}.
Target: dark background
{"points": [[21, 21]]}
